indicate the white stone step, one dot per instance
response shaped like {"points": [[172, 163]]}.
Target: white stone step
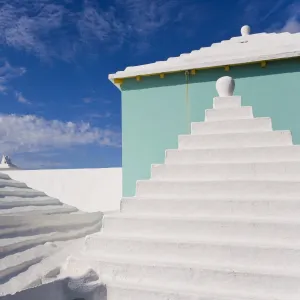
{"points": [[27, 225], [221, 206], [218, 251], [20, 192], [270, 229], [230, 277], [231, 126], [11, 183], [12, 201], [235, 140], [4, 176], [20, 245], [226, 188], [244, 112], [237, 155], [34, 275], [38, 210], [127, 290], [287, 170], [14, 264], [227, 102]]}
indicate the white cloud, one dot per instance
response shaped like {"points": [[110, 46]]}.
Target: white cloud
{"points": [[21, 98], [88, 100], [27, 25], [292, 25], [7, 73], [29, 133], [48, 29], [291, 20]]}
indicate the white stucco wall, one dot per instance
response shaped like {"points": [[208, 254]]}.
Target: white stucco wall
{"points": [[89, 190]]}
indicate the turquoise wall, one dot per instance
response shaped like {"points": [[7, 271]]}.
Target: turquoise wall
{"points": [[154, 109]]}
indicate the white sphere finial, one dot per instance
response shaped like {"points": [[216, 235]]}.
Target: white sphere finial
{"points": [[245, 30], [225, 86]]}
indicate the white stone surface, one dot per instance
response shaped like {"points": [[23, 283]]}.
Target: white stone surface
{"points": [[229, 114], [232, 126], [37, 234], [238, 50], [90, 190], [219, 220], [227, 102]]}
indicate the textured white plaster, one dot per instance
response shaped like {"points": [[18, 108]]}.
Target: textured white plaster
{"points": [[32, 234], [219, 220], [89, 190]]}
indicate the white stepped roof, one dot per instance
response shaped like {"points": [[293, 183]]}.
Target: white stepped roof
{"points": [[6, 163], [37, 233], [243, 49]]}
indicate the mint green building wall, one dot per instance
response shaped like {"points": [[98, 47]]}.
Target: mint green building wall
{"points": [[154, 110]]}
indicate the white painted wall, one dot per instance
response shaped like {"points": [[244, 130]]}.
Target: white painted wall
{"points": [[89, 190]]}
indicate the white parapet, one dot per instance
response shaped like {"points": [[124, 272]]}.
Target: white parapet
{"points": [[90, 190]]}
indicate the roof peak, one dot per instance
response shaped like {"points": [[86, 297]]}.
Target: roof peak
{"points": [[6, 163]]}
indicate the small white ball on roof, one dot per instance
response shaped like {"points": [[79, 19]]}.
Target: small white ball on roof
{"points": [[245, 30]]}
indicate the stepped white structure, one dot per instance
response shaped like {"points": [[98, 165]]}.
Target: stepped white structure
{"points": [[219, 220], [6, 163], [37, 233]]}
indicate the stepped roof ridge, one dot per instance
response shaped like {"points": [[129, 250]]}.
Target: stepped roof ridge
{"points": [[37, 231], [243, 49], [6, 163]]}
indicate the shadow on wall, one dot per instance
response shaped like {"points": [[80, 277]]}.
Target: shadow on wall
{"points": [[64, 289]]}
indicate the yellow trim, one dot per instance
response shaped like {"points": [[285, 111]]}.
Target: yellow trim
{"points": [[263, 64], [193, 72], [118, 80], [138, 78], [162, 75], [213, 67], [227, 68]]}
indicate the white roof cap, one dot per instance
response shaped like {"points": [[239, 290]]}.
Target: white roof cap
{"points": [[245, 30], [238, 50]]}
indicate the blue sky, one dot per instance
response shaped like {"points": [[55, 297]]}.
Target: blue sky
{"points": [[58, 109]]}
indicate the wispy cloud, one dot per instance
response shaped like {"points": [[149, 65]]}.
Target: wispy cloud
{"points": [[26, 25], [292, 23], [7, 73], [88, 100], [99, 116], [21, 134], [21, 98], [287, 16], [48, 29]]}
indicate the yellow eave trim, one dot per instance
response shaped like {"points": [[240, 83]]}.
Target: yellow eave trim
{"points": [[193, 71]]}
